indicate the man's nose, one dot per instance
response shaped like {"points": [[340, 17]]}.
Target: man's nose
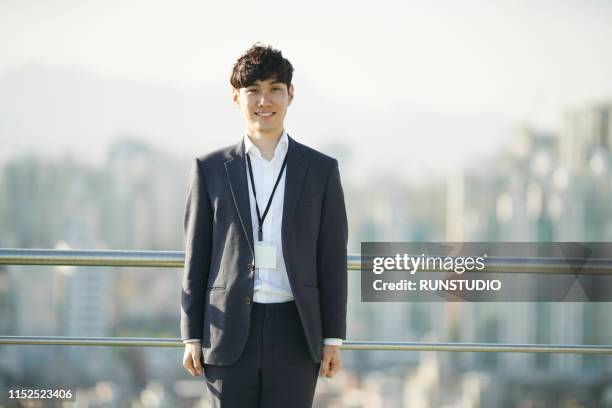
{"points": [[264, 99]]}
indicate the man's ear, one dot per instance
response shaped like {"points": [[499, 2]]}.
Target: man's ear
{"points": [[291, 91], [236, 96]]}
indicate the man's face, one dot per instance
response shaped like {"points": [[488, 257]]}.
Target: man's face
{"points": [[264, 105]]}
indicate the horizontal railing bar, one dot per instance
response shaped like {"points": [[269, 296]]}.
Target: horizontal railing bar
{"points": [[594, 266], [175, 259], [347, 345], [90, 341], [479, 347], [61, 257]]}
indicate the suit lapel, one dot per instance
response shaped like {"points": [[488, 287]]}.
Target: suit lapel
{"points": [[296, 170], [236, 173]]}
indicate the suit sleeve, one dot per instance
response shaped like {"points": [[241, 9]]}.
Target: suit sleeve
{"points": [[197, 225], [331, 257]]}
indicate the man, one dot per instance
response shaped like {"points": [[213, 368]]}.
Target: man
{"points": [[264, 287]]}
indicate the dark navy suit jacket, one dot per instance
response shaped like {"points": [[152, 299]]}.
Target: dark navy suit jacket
{"points": [[217, 284]]}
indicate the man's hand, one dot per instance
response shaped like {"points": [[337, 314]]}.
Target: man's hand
{"points": [[331, 362], [191, 358]]}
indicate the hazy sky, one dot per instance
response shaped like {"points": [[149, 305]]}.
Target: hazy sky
{"points": [[518, 60]]}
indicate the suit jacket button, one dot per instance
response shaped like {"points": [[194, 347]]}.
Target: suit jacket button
{"points": [[247, 300]]}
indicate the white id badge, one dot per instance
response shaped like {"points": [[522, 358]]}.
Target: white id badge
{"points": [[265, 254]]}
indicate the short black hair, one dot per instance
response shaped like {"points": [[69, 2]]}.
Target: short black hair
{"points": [[261, 62]]}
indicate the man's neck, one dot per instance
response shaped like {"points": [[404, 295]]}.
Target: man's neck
{"points": [[265, 142]]}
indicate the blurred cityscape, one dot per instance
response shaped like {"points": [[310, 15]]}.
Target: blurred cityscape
{"points": [[542, 187]]}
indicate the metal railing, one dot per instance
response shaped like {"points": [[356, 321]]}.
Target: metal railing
{"points": [[176, 259]]}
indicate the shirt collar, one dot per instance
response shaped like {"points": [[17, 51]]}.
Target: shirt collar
{"points": [[281, 147]]}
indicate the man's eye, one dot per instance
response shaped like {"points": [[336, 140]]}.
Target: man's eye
{"points": [[251, 90]]}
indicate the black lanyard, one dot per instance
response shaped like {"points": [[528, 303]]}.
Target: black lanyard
{"points": [[261, 219]]}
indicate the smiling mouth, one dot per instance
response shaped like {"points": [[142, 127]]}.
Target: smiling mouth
{"points": [[265, 114]]}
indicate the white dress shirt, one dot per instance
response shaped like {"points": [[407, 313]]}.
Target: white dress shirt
{"points": [[271, 285]]}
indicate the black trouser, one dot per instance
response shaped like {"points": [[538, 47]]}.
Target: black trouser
{"points": [[275, 368]]}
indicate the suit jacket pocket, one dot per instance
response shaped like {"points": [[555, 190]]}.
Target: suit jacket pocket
{"points": [[216, 295]]}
